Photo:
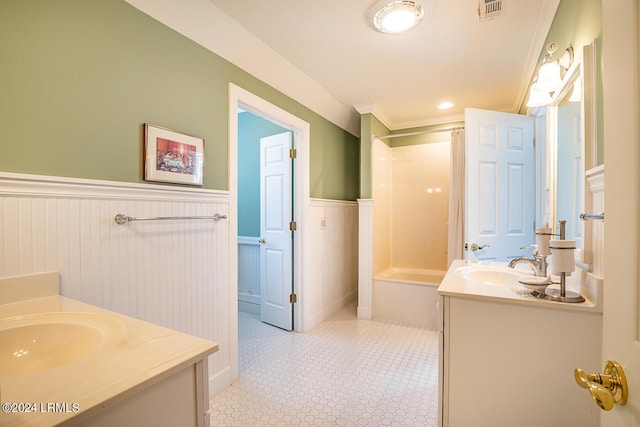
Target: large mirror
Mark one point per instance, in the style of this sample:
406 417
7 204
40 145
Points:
570 132
569 167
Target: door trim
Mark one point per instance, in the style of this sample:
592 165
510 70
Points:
241 98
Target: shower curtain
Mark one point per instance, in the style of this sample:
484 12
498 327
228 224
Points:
456 198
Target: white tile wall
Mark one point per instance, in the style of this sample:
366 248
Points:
420 202
411 199
382 162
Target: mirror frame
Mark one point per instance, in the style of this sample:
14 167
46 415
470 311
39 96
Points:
584 67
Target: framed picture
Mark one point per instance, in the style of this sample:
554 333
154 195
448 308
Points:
171 156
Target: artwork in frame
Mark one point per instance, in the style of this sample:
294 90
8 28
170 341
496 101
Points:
171 156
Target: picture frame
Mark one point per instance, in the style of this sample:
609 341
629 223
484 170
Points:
172 157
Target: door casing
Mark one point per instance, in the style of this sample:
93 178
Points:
241 98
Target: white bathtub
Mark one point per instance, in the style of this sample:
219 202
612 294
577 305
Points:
407 296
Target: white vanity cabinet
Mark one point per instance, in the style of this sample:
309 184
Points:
179 399
509 364
120 371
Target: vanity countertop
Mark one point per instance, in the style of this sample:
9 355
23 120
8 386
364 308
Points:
453 284
142 354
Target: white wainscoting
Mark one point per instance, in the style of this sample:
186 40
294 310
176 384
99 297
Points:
595 180
171 273
330 259
249 274
365 259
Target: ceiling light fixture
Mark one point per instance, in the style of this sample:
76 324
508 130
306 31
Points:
445 105
396 16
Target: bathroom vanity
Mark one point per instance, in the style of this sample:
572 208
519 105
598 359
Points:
508 358
64 362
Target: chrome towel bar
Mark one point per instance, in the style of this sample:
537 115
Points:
122 219
592 217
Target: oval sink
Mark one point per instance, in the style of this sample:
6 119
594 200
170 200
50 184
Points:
490 275
36 343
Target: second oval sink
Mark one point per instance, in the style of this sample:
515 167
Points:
36 343
490 275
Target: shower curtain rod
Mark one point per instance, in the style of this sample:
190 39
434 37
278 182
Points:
398 135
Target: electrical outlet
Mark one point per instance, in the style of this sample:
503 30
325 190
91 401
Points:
323 224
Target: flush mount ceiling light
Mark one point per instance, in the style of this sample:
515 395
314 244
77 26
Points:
445 105
396 16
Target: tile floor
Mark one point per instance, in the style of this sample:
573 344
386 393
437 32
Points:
344 372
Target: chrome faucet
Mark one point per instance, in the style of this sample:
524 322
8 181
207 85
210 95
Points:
538 263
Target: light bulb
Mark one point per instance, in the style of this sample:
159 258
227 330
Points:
548 77
538 98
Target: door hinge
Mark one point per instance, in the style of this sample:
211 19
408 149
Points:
292 153
293 298
292 226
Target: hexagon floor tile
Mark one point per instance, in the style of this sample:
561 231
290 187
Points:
344 372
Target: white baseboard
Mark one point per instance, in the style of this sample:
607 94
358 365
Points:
365 313
221 380
247 307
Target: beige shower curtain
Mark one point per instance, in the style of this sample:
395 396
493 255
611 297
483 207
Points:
456 198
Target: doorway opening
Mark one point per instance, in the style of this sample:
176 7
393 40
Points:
265 215
300 133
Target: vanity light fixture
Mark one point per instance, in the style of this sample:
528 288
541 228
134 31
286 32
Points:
549 77
396 16
538 98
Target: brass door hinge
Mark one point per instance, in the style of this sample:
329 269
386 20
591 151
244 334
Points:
293 298
292 226
292 153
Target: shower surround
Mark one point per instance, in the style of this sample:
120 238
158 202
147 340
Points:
407 231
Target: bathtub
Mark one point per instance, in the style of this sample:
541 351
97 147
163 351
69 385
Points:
407 296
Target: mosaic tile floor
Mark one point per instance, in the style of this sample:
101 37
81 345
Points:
343 372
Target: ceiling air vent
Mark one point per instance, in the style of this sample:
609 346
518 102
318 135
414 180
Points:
489 9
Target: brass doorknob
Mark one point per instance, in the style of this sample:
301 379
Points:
606 389
262 241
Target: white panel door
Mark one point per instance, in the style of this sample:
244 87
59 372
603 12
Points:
621 310
499 177
276 239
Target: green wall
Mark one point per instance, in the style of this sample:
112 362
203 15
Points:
80 78
369 126
250 129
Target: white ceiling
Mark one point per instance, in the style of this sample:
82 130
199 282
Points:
324 54
402 78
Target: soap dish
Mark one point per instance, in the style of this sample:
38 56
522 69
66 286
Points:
535 282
